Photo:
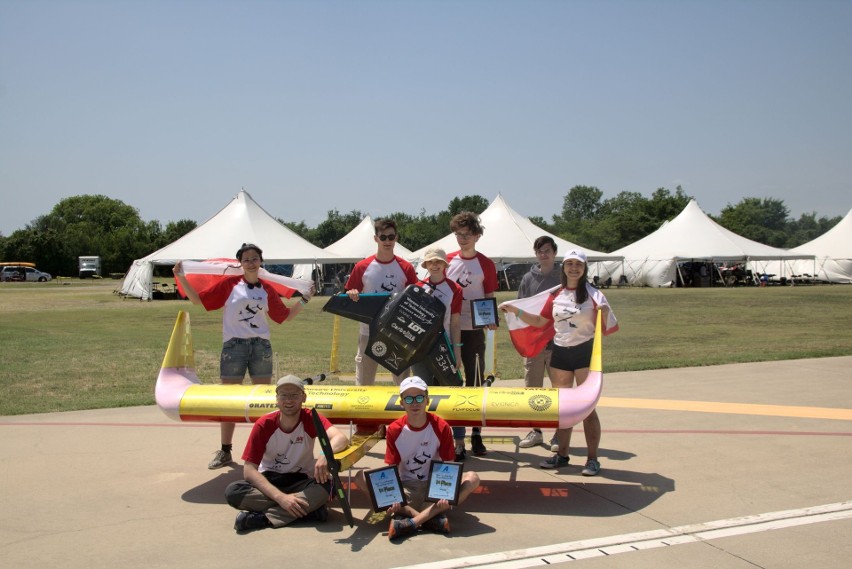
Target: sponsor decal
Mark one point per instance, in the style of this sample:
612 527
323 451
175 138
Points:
380 349
540 402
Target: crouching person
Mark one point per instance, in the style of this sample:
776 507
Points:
283 481
413 441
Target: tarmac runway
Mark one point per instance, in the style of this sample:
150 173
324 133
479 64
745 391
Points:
734 466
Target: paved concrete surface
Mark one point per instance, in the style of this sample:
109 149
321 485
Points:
686 454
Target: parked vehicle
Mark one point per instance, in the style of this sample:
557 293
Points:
90 266
10 273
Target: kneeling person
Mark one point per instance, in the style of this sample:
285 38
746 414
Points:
413 441
283 481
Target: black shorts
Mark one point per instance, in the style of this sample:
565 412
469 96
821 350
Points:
572 358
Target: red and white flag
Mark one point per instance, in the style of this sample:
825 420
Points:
529 340
202 274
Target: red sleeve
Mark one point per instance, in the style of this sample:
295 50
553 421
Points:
408 269
259 436
547 309
278 311
489 270
445 435
355 279
215 296
391 453
308 423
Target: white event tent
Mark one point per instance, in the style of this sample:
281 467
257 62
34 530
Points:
691 236
241 221
508 237
832 253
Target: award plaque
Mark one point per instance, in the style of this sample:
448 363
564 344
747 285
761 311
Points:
385 487
444 481
483 312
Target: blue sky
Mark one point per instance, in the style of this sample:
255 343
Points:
382 106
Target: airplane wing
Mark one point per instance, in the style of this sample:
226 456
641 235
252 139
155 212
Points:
405 328
365 310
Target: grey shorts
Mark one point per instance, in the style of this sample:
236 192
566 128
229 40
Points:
245 354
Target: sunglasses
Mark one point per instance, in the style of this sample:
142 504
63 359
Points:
390 237
409 399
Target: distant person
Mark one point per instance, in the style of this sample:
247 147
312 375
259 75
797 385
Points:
383 272
541 277
449 293
572 312
476 274
413 442
283 481
245 330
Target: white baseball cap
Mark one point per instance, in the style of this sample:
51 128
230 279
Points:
575 254
412 382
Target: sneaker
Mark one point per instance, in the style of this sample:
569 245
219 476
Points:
222 458
461 454
248 521
554 444
555 461
592 468
532 439
476 445
401 528
319 515
439 524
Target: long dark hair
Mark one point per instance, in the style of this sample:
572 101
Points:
581 295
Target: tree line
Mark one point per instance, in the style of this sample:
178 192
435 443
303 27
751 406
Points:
113 230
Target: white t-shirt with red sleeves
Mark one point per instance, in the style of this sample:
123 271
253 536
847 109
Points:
476 276
272 448
450 294
574 323
371 275
413 450
245 307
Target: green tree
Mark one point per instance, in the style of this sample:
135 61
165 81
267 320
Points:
760 219
476 204
335 226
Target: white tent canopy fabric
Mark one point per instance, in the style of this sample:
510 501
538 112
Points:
832 253
241 221
690 236
508 237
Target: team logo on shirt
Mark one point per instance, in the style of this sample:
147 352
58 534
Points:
390 284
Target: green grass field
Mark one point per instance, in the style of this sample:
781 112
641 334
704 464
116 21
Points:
76 345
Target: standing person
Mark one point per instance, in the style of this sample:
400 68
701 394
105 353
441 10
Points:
572 312
383 272
283 481
245 331
476 274
413 442
448 292
541 277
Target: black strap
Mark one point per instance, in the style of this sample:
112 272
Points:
333 466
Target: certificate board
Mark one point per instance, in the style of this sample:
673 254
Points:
483 312
444 481
385 487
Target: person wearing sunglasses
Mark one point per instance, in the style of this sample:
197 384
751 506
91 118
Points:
476 274
246 302
383 272
413 442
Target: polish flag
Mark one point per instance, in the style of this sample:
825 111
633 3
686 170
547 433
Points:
202 274
529 340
